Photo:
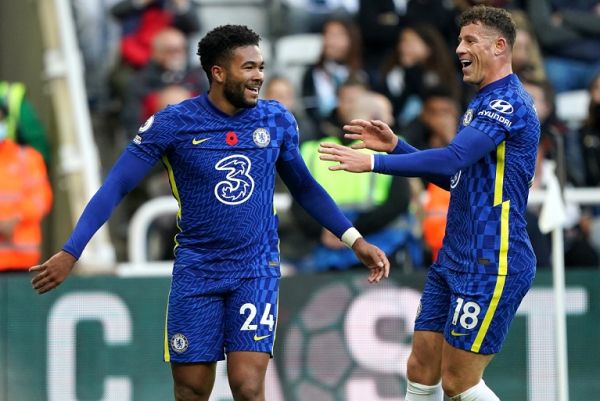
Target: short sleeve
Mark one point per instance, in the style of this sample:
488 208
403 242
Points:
153 137
289 147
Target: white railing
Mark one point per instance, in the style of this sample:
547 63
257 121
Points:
139 265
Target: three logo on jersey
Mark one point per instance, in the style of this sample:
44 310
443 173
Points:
238 184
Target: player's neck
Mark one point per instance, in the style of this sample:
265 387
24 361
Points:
496 75
218 100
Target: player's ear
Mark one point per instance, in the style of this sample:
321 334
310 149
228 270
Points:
500 46
218 73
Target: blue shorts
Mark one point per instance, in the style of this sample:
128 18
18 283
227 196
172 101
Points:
473 310
208 317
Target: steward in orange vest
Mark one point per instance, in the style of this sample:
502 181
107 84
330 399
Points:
435 208
25 198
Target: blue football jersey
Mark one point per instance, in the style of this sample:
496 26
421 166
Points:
222 173
486 227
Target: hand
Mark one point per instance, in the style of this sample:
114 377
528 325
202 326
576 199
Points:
329 240
373 258
53 272
375 135
350 160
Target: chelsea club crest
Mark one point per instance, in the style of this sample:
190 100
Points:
261 137
468 117
179 343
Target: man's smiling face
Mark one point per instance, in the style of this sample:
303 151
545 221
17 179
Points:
476 45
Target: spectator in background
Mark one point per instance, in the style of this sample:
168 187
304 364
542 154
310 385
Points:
421 60
569 33
555 134
436 124
590 142
340 58
373 202
555 139
141 21
379 22
434 128
347 95
302 16
282 89
527 60
590 136
167 66
22 122
25 198
441 14
578 248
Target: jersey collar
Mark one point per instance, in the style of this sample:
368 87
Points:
205 101
496 84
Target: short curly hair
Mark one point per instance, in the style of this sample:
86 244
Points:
217 46
492 17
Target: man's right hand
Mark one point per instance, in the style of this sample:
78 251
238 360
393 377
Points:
373 258
375 135
52 272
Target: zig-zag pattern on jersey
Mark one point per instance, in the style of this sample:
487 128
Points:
219 239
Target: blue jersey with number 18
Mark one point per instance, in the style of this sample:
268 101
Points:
486 228
222 173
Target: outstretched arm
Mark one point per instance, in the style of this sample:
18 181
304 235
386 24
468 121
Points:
317 202
468 146
127 172
378 136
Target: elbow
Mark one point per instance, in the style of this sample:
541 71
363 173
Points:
452 168
454 163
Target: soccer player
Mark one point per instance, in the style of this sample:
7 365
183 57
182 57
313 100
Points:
221 151
486 264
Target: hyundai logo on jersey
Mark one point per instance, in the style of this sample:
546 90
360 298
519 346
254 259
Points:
501 106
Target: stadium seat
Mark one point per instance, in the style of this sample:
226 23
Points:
572 107
293 53
251 13
213 13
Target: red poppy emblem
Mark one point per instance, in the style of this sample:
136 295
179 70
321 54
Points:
231 138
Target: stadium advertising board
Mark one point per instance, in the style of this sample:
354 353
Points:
338 338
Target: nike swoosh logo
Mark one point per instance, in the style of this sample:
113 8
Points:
199 141
455 334
258 338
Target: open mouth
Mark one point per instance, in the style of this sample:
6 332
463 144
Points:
253 90
465 63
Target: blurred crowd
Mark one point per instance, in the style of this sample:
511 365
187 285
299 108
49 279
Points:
391 60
